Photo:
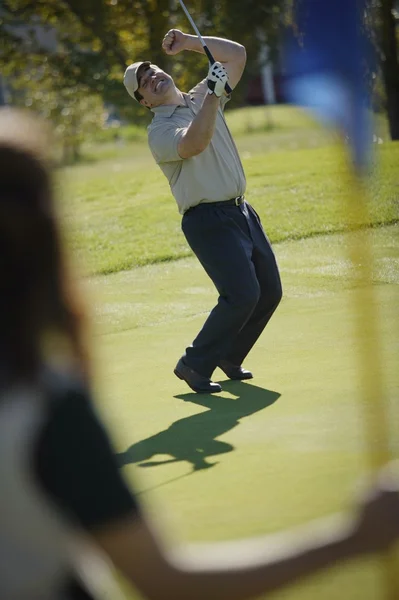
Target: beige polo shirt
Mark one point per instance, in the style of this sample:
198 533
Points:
214 175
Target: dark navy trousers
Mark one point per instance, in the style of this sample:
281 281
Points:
230 243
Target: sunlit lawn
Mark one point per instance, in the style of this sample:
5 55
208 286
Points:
121 213
289 445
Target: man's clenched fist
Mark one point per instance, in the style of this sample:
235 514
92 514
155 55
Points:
173 42
217 79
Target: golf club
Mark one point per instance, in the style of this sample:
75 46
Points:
201 39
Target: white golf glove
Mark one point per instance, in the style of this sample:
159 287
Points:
217 79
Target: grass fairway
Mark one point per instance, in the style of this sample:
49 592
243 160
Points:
266 454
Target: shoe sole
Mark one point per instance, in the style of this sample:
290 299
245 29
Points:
238 378
197 391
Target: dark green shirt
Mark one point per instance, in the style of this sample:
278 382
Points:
76 465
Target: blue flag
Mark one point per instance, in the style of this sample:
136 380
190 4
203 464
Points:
328 59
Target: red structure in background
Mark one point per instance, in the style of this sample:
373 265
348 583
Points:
255 95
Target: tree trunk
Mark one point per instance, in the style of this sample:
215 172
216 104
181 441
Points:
157 16
390 65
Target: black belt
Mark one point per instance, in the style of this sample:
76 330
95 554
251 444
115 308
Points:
232 202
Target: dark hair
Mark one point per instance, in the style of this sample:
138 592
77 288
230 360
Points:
39 317
138 96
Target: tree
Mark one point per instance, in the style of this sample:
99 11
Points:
41 62
96 39
390 64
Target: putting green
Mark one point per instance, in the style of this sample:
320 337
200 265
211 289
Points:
264 455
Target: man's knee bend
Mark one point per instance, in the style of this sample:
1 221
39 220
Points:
271 299
246 300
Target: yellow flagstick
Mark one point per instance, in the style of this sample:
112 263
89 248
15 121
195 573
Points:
367 335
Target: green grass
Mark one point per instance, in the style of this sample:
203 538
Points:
120 213
288 446
267 454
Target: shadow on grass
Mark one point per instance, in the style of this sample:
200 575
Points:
193 439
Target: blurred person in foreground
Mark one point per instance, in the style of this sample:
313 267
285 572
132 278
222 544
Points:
63 500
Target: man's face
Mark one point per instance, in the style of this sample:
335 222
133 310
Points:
154 85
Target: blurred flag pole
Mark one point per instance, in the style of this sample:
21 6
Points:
327 55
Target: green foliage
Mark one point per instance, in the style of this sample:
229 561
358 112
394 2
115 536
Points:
74 111
94 41
251 23
118 133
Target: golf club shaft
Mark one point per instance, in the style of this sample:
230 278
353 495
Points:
201 39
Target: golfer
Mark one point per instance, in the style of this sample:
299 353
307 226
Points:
193 146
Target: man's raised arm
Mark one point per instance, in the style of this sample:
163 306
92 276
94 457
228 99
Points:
231 54
200 131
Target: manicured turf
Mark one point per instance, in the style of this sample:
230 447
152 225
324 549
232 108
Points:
289 445
264 455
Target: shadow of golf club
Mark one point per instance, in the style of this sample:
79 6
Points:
194 438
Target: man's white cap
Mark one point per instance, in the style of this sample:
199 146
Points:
130 77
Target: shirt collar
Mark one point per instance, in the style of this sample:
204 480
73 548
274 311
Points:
167 110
